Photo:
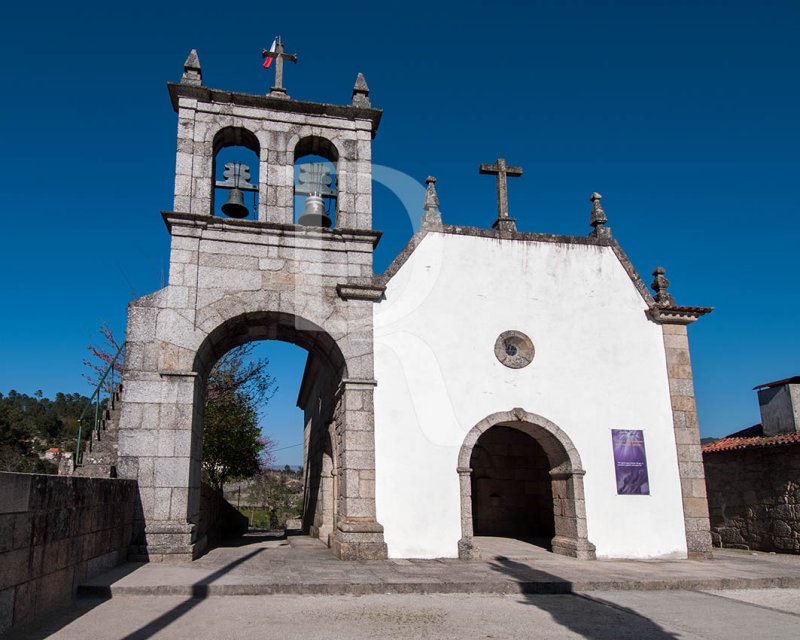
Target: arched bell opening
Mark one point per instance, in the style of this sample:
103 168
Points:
317 398
513 447
235 174
316 186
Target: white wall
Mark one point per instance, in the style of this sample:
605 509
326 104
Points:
599 365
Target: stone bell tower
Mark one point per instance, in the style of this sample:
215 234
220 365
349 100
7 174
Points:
232 281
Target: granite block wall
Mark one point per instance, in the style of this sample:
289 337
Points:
55 531
754 498
219 518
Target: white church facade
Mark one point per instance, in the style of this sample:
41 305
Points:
598 363
489 383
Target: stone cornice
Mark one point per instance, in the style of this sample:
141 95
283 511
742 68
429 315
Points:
178 374
369 292
359 383
205 94
178 219
677 315
354 384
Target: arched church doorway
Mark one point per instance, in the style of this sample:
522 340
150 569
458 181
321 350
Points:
521 476
315 394
511 487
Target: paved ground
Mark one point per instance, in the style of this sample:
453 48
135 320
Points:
601 615
261 565
264 586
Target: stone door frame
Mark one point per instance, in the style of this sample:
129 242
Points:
566 473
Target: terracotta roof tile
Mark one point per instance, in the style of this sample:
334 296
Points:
732 442
755 430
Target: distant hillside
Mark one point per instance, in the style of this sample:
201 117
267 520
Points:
30 425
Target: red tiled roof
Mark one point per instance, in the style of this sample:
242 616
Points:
732 442
755 430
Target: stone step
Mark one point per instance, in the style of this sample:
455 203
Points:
104 445
96 471
108 433
314 570
101 450
100 461
100 457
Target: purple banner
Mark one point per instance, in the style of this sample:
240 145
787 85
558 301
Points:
630 462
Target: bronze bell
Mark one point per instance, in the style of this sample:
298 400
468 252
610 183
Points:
234 207
314 213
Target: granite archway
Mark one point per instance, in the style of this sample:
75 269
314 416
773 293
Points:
318 460
566 474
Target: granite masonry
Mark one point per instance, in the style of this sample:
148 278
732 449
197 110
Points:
753 476
234 281
674 320
754 496
54 533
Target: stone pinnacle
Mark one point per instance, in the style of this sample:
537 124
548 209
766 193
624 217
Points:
360 92
192 74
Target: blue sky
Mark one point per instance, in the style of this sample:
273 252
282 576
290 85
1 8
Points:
684 115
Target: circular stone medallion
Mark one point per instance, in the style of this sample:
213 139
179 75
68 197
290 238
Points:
514 349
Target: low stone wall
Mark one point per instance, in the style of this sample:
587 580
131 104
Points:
218 517
754 498
55 531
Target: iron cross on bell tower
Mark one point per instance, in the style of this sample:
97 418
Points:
278 91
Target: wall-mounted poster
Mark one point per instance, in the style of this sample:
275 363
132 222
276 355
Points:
630 462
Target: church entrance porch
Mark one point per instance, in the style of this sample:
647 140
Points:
511 492
521 476
490 547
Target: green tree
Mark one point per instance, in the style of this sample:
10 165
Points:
233 447
31 424
280 493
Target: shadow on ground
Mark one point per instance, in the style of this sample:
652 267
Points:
68 613
43 626
254 536
199 593
596 620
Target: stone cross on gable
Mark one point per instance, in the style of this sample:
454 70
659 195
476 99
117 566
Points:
278 90
502 171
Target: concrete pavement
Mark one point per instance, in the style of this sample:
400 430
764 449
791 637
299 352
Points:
600 615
